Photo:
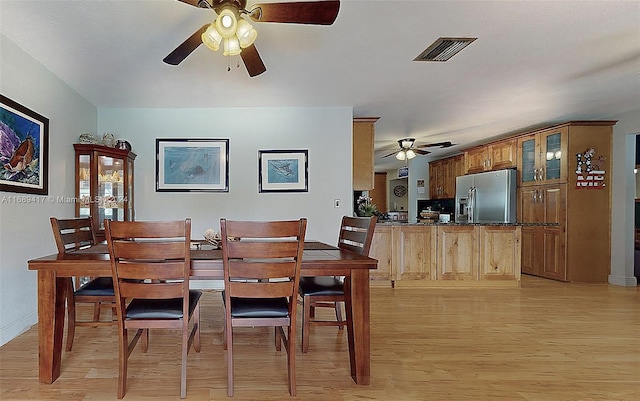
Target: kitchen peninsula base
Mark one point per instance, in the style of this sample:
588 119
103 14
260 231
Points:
447 255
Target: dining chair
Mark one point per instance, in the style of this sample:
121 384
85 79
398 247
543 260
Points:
150 265
71 235
261 263
355 235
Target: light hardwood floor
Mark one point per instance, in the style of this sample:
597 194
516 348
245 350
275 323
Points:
545 341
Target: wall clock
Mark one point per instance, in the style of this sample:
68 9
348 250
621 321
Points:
399 191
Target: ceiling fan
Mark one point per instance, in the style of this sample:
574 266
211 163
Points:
237 36
408 150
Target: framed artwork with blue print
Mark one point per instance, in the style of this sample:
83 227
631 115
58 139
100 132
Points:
283 170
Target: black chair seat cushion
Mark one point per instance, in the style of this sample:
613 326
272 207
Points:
321 285
100 286
161 308
258 307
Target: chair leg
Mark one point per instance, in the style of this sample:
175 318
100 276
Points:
306 323
71 315
291 357
338 308
229 339
183 366
145 340
96 311
123 355
196 320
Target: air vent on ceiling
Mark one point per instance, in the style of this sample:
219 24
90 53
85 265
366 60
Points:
443 49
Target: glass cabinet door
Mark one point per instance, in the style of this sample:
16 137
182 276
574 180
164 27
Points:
553 156
528 149
111 196
84 185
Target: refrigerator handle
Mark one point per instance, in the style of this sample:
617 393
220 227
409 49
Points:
472 204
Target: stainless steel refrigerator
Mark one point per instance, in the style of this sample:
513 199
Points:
488 197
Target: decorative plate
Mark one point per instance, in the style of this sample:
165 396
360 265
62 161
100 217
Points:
400 191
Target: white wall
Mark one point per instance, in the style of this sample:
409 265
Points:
25 231
325 132
622 200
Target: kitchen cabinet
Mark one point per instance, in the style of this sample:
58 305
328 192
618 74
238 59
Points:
494 156
362 154
457 253
378 194
564 177
500 253
104 184
416 257
381 249
441 255
442 177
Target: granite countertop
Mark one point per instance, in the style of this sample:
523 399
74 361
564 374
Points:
415 223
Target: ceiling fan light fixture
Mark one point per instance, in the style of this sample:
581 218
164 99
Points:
232 46
211 38
406 143
227 22
402 155
246 33
410 154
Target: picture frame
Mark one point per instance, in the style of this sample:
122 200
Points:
192 164
24 154
283 170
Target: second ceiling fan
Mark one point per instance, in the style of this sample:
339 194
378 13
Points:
231 30
408 150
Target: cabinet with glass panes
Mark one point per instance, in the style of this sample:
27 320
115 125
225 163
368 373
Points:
104 184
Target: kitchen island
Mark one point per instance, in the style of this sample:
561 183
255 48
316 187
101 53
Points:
446 255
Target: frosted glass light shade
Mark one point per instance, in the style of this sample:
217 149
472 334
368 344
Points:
246 33
227 23
211 38
401 155
411 154
231 46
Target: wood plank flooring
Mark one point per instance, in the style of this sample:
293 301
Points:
545 341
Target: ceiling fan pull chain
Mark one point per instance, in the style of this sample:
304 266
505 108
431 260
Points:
228 64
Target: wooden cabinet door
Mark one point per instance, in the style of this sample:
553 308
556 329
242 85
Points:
414 247
553 161
554 265
381 249
502 155
528 207
362 155
527 159
378 194
476 160
553 199
435 172
457 253
500 257
532 249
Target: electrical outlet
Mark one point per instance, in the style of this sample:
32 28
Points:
336 203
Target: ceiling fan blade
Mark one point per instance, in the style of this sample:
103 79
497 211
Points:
252 61
303 12
181 52
421 152
391 154
441 144
196 3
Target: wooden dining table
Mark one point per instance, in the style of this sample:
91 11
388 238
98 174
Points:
318 259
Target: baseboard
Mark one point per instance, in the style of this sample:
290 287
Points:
17 327
623 281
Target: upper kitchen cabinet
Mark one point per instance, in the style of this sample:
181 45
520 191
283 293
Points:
442 176
363 137
104 184
494 156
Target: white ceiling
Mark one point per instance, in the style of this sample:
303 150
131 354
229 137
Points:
535 63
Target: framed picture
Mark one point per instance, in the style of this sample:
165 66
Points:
283 170
24 149
403 172
184 165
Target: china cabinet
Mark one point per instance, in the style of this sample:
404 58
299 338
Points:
104 184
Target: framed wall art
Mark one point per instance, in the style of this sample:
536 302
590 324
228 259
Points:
184 165
283 170
24 149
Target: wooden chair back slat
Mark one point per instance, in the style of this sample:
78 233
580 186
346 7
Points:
72 234
151 290
256 270
155 250
355 234
278 289
261 229
262 249
166 270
